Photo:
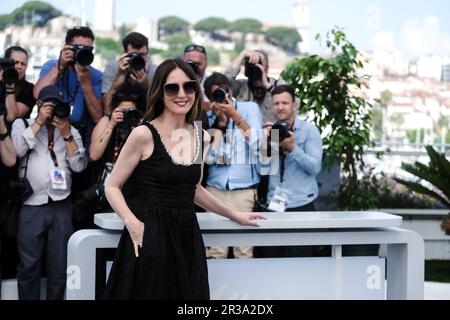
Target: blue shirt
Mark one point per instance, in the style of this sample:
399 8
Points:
73 93
302 165
242 172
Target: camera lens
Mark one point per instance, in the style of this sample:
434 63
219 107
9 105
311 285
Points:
83 55
136 61
61 110
219 95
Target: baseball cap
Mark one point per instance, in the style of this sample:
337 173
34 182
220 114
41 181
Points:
51 93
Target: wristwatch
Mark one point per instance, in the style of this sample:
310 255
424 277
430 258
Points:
68 138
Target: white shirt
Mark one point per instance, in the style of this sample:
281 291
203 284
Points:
40 162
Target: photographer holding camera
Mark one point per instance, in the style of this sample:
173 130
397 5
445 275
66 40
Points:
54 150
258 85
133 65
79 82
19 99
232 176
293 187
108 138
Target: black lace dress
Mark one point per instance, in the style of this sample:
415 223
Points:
172 261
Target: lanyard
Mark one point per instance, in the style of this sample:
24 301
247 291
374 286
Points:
117 146
70 98
51 144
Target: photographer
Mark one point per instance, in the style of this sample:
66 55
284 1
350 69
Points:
232 176
54 149
258 85
19 92
79 82
293 187
197 57
132 66
108 138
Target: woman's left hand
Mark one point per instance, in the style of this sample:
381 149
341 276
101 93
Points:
248 218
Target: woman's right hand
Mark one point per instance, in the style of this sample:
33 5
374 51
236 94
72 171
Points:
136 229
116 117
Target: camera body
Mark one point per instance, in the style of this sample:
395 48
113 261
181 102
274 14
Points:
93 198
61 110
131 118
20 189
195 66
10 74
220 95
83 55
137 63
252 72
283 130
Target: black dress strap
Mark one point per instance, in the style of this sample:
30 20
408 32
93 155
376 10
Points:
155 134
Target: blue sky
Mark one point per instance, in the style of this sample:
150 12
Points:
413 26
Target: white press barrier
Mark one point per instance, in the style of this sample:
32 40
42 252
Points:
90 253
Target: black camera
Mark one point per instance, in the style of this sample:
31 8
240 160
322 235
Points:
252 71
283 130
20 189
10 75
195 66
131 118
83 54
61 110
137 62
92 199
220 95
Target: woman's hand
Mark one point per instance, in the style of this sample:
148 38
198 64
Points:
116 117
248 218
136 230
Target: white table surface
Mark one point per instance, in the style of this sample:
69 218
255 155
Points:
283 220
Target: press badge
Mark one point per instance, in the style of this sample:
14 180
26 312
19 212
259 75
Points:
58 178
279 201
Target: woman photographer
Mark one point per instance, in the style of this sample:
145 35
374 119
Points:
108 137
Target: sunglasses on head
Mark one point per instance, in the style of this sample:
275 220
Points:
195 47
172 89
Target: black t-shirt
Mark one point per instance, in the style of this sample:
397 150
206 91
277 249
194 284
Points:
25 95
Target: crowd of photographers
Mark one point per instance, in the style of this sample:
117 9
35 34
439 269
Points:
53 167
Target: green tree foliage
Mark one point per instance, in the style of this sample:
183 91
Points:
284 37
176 43
436 174
211 24
331 90
171 24
124 30
245 26
34 12
108 48
213 57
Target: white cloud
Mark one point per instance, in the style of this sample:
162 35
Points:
423 36
384 40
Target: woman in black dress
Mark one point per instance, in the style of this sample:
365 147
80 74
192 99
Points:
161 253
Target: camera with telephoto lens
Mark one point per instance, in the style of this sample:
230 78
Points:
195 66
61 110
252 71
83 54
283 130
137 62
131 118
283 133
220 95
10 75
